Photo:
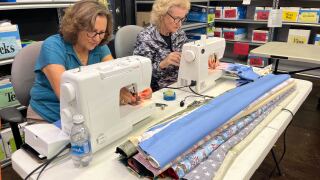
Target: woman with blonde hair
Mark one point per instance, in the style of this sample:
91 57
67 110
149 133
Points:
162 41
84 31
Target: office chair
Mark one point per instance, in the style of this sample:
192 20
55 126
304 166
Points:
125 40
22 78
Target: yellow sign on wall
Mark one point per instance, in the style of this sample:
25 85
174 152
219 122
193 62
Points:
291 16
309 17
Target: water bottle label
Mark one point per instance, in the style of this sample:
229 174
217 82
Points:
80 149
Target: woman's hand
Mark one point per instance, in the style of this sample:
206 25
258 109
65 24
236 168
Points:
213 61
172 59
126 97
145 94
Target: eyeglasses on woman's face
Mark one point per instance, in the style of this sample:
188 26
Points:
177 19
93 34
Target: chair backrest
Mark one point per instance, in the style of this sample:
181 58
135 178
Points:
22 71
125 40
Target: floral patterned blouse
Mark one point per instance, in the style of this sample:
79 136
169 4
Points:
152 45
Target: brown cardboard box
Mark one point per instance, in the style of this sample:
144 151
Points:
143 19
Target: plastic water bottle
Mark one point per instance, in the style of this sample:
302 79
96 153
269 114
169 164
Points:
81 151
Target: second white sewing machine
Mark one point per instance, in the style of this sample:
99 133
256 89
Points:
194 62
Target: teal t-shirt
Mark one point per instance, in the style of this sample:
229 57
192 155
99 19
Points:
55 50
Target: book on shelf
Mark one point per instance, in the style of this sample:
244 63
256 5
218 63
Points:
10 42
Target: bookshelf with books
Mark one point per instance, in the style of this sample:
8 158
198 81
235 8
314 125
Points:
300 15
300 25
250 19
143 8
22 22
35 20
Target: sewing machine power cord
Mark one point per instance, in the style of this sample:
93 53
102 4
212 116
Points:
193 83
284 144
200 94
45 164
185 98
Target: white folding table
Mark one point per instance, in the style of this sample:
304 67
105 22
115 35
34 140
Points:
106 165
288 51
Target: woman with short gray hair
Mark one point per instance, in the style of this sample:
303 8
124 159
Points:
162 41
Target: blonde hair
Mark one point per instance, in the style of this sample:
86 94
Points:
82 16
161 7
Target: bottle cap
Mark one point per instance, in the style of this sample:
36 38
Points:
77 119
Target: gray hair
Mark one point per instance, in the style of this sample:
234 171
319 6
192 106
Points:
161 7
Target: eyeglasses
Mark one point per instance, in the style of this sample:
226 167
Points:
176 19
93 34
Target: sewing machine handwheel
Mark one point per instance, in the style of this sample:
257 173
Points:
189 56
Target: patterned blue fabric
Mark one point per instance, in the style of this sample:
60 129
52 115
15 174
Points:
201 154
206 169
245 73
179 136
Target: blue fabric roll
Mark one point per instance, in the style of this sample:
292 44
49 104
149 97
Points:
179 136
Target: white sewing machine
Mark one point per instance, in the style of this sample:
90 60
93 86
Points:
94 91
194 63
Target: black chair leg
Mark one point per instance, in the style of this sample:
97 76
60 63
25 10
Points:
16 134
275 160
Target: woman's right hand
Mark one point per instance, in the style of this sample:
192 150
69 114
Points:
172 59
126 97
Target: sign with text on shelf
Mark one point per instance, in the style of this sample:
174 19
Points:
298 36
10 42
240 48
263 15
309 16
257 61
275 18
230 13
7 95
290 14
8 47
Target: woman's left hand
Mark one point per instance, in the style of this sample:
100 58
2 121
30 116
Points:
146 93
213 61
